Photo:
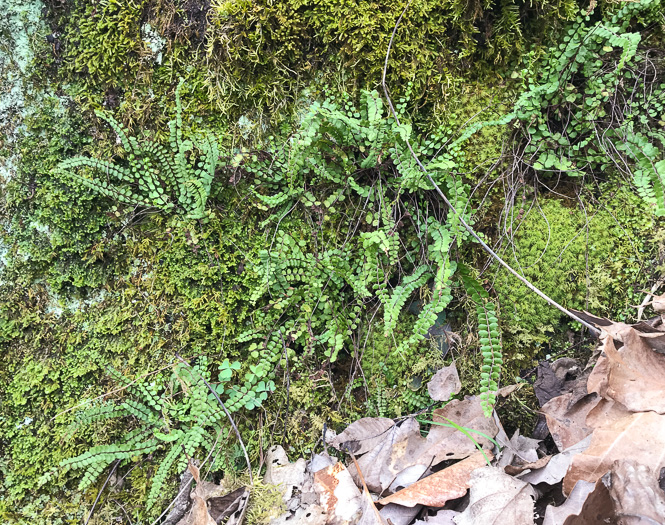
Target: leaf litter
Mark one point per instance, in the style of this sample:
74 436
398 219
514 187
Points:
607 420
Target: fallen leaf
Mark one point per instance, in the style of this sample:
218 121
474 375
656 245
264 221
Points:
363 435
557 466
279 471
370 515
230 507
199 513
445 443
444 384
658 304
339 496
513 470
633 375
495 498
555 379
443 517
572 507
407 477
566 418
653 336
638 436
636 494
519 450
310 515
404 447
398 514
382 464
435 490
505 391
320 461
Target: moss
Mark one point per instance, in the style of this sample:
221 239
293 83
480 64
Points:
104 44
586 257
90 285
263 59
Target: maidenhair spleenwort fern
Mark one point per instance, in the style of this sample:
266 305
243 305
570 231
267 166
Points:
175 413
490 339
154 176
594 104
316 285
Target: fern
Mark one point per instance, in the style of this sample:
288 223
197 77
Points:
153 177
562 112
169 413
489 336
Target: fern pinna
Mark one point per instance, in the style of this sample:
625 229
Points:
154 176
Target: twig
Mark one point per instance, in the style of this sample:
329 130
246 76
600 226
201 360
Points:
468 228
123 511
99 494
647 296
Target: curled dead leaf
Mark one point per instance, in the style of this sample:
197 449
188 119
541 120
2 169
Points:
635 436
634 375
435 490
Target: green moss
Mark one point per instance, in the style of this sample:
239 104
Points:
104 44
263 59
89 285
591 258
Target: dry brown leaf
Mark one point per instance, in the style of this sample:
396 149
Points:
568 511
443 517
634 375
637 436
205 492
444 443
435 490
556 467
557 378
408 477
404 447
495 498
513 470
399 515
505 391
339 495
382 464
279 471
606 410
370 515
636 494
230 508
519 450
566 418
444 384
658 304
363 435
627 495
199 514
309 515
